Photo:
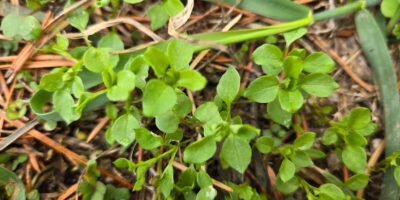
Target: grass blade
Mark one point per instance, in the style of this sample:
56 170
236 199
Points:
376 51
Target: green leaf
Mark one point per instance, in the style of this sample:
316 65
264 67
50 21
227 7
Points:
173 7
167 122
123 129
156 58
113 193
147 139
330 136
51 81
158 98
331 191
305 140
263 89
140 177
191 79
183 105
133 1
359 118
167 181
140 68
203 179
355 158
278 115
207 193
13 187
397 175
77 87
200 151
97 59
187 180
357 182
293 35
292 67
289 186
158 16
26 27
111 41
79 19
317 84
291 101
236 152
16 109
265 144
125 84
389 7
301 159
208 112
228 86
63 103
124 163
356 139
286 170
180 54
319 62
269 57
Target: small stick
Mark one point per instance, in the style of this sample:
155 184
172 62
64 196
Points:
18 133
103 121
71 190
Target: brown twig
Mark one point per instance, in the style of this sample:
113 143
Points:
71 190
100 125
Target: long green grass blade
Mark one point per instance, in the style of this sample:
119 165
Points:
283 10
376 51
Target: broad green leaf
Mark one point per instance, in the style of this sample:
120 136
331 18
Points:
113 193
158 16
305 140
208 112
63 103
133 1
187 180
97 59
368 130
301 159
289 186
123 163
77 87
359 118
123 129
167 181
291 101
389 7
397 175
357 182
229 85
355 158
156 58
330 136
61 43
191 79
125 84
173 7
317 84
167 122
111 41
236 152
52 81
245 131
269 57
140 68
147 139
200 151
158 98
286 170
301 53
207 193
332 191
79 19
278 115
265 144
319 62
263 89
180 54
203 179
26 27
356 139
183 105
293 35
292 67
13 187
315 154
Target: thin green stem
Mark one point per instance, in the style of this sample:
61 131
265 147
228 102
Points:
343 10
392 22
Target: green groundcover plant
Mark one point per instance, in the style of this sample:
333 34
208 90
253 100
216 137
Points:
145 97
